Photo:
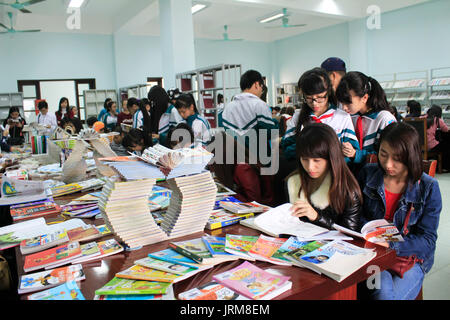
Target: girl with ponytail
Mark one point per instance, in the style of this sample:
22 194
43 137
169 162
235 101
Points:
364 99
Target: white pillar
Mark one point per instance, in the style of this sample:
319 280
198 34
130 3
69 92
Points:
177 39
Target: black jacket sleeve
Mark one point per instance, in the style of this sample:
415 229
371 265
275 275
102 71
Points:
348 219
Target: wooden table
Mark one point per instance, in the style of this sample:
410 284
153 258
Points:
305 283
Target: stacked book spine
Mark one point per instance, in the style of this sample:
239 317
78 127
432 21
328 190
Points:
193 199
124 207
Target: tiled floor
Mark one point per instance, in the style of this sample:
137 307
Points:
436 285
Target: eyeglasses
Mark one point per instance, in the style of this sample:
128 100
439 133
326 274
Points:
318 99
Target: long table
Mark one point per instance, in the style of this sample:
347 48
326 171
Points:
306 284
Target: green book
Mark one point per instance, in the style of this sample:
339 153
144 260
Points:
119 286
194 249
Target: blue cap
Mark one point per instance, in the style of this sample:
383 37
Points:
334 64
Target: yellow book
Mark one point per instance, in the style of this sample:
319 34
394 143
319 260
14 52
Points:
137 272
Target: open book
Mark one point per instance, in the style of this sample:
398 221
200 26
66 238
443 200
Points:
375 231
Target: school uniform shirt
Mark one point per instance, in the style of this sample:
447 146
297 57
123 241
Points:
48 119
138 119
169 119
336 118
201 128
248 112
371 123
109 120
101 114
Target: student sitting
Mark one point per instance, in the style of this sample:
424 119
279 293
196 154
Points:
71 125
364 98
323 189
185 105
110 116
133 142
397 190
116 144
180 136
99 127
15 122
413 109
434 120
44 118
90 122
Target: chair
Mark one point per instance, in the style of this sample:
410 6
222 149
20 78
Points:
420 124
429 167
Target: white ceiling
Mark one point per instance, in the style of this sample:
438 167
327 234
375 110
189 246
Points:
140 17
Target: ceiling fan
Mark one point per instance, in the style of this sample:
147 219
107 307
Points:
12 30
21 5
285 21
226 37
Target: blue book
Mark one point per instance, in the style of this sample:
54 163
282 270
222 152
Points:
226 199
170 255
66 291
215 245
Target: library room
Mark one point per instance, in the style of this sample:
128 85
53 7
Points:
269 150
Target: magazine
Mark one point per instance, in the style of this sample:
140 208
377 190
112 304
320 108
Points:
375 231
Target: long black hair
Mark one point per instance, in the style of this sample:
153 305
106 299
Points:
159 102
60 103
361 84
185 100
313 82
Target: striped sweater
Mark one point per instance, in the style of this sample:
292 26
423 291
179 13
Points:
201 128
338 119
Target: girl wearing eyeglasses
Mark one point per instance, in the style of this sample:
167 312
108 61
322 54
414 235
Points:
364 98
320 106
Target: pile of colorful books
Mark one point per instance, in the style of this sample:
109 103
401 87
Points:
34 209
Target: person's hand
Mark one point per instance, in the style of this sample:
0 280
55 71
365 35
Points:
6 132
348 150
383 244
48 126
304 209
155 136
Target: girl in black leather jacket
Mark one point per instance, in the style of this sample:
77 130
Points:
323 190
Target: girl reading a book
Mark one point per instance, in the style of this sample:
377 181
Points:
398 191
323 190
185 105
364 98
14 123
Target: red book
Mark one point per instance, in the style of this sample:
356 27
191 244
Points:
34 211
46 259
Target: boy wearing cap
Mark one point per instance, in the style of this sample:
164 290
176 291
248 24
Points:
336 69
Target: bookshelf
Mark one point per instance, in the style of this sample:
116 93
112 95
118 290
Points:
95 99
138 91
440 90
288 95
205 84
403 86
8 100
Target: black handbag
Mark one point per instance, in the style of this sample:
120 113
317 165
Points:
438 134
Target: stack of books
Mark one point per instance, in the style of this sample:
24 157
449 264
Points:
124 207
191 204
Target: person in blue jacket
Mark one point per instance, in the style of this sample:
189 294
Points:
397 190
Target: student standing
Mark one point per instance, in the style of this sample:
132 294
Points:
125 116
397 190
135 111
434 121
185 105
323 189
336 70
44 118
110 117
103 111
15 123
363 98
63 111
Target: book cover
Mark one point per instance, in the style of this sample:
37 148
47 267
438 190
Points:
252 282
211 291
194 249
215 245
128 286
169 295
337 259
296 254
172 256
66 291
50 278
374 231
221 218
45 259
85 233
217 205
240 245
43 242
174 268
66 189
138 272
265 247
290 245
88 251
34 211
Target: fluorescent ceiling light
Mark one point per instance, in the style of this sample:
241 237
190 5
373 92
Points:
197 7
271 18
75 3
